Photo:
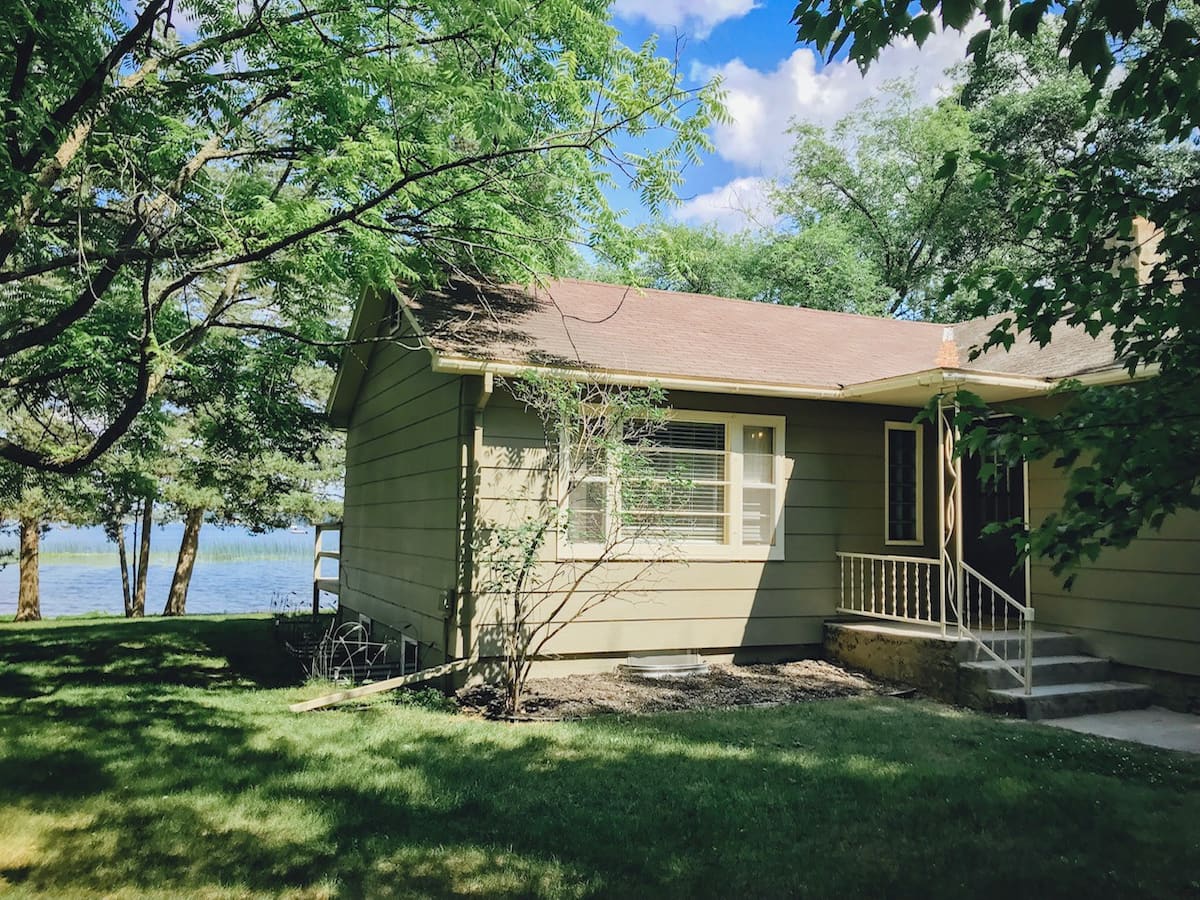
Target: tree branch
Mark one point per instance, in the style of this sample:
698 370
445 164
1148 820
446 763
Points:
89 91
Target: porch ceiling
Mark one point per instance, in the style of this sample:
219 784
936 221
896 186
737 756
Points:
918 388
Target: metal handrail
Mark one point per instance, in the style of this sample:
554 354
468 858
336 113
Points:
901 589
999 591
888 558
1025 615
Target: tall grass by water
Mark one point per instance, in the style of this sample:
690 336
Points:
88 546
230 551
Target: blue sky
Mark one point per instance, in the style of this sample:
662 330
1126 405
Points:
770 80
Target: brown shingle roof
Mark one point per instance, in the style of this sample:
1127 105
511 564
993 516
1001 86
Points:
1071 351
581 324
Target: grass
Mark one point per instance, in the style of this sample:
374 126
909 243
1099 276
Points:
84 552
157 758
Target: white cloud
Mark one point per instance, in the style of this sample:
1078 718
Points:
742 203
763 103
698 17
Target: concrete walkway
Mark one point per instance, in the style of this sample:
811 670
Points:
1155 726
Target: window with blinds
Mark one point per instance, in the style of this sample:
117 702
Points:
709 485
683 497
902 451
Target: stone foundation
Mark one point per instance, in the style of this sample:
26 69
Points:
917 656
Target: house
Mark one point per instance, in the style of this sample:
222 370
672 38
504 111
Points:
863 539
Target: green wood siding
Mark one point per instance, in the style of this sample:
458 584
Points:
400 539
1139 605
834 501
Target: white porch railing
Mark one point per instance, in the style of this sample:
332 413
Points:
908 589
998 624
900 588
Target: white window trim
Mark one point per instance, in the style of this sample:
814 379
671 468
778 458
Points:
888 428
684 551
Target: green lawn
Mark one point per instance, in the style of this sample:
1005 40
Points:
158 758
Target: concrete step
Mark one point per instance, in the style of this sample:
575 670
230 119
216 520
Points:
1047 670
1011 645
1057 701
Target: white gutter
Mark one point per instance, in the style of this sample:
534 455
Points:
1114 376
460 365
956 378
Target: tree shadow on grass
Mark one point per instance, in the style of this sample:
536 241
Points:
202 651
656 807
163 788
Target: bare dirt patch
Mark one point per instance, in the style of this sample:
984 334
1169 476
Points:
578 696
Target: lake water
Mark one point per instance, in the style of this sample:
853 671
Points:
236 571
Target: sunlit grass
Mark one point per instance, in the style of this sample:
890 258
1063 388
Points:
158 758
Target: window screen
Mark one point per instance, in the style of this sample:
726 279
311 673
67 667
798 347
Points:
758 485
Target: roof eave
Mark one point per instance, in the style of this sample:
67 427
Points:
364 327
1000 386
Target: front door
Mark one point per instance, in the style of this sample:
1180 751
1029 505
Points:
996 500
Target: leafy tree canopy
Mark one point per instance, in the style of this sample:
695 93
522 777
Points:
819 267
221 164
1125 151
873 179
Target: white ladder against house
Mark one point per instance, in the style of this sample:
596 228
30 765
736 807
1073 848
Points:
321 580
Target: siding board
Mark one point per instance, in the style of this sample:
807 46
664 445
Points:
1139 605
399 543
834 501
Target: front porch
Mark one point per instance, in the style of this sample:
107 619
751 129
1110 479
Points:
974 592
960 625
1069 681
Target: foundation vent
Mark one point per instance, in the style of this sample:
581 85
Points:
664 665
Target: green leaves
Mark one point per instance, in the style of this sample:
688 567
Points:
896 181
1026 17
1085 163
948 168
977 46
957 13
1089 50
296 151
921 28
1179 37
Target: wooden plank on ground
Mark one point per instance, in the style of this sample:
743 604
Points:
380 687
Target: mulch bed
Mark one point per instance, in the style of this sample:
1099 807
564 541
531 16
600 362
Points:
724 686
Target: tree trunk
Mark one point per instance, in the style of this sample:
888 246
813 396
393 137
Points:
124 558
29 601
143 558
177 599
